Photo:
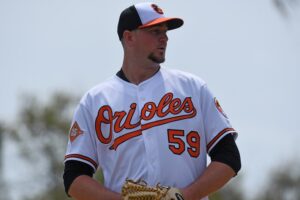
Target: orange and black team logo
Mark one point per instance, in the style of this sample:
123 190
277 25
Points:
157 9
220 108
75 131
169 109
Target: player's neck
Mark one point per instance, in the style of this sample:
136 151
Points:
139 72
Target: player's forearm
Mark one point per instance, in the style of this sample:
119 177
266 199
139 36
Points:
214 177
86 188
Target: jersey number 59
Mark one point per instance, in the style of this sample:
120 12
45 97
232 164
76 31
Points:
178 146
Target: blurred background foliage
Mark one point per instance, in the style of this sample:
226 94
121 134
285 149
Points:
42 133
286 7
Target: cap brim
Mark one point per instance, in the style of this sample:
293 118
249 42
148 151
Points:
172 23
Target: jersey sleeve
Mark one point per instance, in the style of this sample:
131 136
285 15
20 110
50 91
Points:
81 145
216 122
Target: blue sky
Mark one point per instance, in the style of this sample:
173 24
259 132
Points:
247 52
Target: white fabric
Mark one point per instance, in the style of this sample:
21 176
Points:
187 113
147 12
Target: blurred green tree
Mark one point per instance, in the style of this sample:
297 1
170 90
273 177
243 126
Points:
284 183
3 186
232 191
285 7
41 134
1 151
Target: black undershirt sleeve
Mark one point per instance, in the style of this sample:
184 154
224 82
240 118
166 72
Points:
73 169
226 151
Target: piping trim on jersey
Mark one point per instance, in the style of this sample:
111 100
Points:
82 158
217 137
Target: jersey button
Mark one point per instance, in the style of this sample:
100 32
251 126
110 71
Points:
141 88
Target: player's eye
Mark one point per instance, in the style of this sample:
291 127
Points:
157 32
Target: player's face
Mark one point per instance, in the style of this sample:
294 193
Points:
154 42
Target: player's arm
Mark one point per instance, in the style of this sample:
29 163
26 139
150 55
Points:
80 185
214 177
225 164
87 188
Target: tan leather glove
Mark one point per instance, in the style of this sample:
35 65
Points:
140 190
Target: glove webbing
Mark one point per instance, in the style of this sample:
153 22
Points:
140 191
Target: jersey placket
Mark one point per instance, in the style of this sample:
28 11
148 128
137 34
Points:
150 144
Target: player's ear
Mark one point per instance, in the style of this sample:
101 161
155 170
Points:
128 37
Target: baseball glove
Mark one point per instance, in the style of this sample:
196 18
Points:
139 190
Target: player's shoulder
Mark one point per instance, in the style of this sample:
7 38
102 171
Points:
103 86
100 89
182 76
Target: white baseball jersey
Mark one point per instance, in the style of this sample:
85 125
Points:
160 130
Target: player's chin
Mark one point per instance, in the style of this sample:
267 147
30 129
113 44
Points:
157 58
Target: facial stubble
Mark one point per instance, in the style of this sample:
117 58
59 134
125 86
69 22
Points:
156 59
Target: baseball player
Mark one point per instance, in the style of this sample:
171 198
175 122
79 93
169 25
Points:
149 122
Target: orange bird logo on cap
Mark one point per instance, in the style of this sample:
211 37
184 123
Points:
157 9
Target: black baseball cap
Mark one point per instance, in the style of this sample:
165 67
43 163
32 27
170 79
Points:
144 15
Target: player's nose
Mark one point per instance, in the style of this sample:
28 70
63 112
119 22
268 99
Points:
164 37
